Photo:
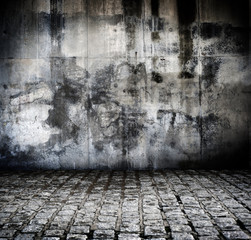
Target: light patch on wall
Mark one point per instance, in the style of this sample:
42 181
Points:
30 128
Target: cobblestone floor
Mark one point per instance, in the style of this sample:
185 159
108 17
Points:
125 205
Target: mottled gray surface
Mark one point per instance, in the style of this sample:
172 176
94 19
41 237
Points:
124 84
182 205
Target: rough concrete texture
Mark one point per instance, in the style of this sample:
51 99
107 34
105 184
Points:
124 84
175 205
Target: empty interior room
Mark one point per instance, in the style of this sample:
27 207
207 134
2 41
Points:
125 119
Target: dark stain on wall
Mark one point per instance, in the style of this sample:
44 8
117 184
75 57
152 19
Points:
210 30
155 24
68 93
130 28
210 68
125 122
235 40
156 77
226 10
12 5
155 8
132 128
13 157
186 15
103 79
137 74
102 84
173 119
17 25
189 119
155 36
186 12
57 24
69 82
189 68
111 20
132 12
210 125
217 151
229 39
132 8
186 74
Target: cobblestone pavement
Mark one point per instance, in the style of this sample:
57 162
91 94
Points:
53 205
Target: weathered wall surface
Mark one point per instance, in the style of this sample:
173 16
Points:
124 84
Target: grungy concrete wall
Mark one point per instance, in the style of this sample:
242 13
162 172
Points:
130 84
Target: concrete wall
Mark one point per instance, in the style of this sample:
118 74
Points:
124 84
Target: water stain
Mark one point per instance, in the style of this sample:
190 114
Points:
186 16
155 24
132 12
57 23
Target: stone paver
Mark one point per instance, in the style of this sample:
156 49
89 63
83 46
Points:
125 205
